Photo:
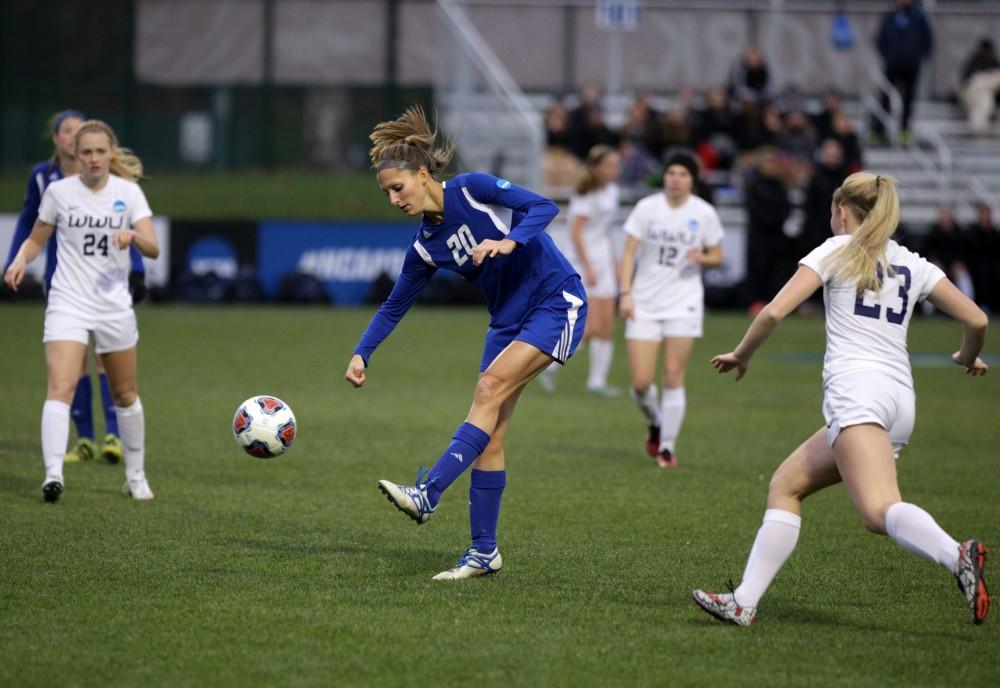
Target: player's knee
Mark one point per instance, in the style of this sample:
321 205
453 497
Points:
123 398
873 517
783 486
673 378
61 390
489 390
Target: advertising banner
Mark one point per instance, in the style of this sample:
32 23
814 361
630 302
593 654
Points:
347 257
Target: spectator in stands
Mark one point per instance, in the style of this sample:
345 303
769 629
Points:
980 86
823 120
641 126
557 125
749 79
945 246
587 127
639 141
560 168
904 41
984 258
749 127
829 175
768 207
847 137
675 132
797 142
713 131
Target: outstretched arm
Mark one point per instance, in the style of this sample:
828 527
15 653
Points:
947 297
29 250
410 283
796 290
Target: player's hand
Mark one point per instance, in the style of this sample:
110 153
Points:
626 306
355 371
976 367
591 278
14 274
695 255
491 248
726 362
123 237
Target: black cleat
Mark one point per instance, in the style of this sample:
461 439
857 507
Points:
653 440
51 491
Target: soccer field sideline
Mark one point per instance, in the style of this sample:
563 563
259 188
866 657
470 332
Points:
297 572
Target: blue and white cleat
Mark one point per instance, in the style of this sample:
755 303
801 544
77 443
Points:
412 500
472 564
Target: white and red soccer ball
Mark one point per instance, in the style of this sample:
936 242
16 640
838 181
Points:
264 426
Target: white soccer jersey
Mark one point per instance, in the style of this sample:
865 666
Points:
600 209
869 332
91 276
666 284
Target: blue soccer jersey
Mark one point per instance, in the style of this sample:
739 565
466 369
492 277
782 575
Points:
43 174
477 207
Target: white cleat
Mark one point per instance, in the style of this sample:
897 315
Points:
412 500
472 564
724 608
137 488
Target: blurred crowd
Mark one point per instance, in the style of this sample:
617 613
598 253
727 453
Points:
969 255
728 127
780 154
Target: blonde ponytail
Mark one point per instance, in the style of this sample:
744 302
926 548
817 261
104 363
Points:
588 181
874 202
124 163
407 142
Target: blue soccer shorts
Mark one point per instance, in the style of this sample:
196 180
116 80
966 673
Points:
555 326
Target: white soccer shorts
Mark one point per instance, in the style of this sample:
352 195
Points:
870 397
117 333
657 330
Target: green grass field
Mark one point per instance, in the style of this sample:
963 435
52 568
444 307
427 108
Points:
288 194
297 571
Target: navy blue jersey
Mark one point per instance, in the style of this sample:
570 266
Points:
479 206
43 174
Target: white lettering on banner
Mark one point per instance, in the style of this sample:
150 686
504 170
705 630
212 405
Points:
352 264
223 267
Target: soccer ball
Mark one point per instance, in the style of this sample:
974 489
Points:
264 426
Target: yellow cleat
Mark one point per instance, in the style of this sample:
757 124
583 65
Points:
112 449
85 450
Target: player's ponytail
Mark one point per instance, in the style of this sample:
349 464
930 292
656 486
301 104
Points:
407 142
874 201
124 163
588 181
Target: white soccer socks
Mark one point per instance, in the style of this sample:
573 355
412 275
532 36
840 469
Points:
132 429
673 403
775 542
55 437
648 402
916 530
601 352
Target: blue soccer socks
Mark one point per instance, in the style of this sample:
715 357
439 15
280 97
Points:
110 415
485 493
467 444
80 409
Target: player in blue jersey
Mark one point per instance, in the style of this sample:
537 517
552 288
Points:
491 233
63 163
